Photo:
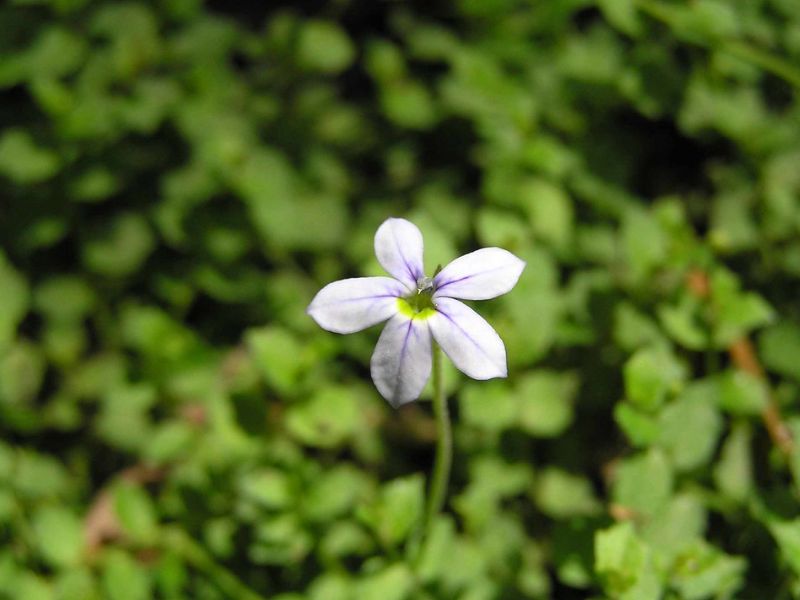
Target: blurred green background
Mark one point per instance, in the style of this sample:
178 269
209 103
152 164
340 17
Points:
177 180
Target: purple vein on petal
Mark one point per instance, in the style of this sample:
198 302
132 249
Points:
470 276
403 354
374 298
410 270
464 332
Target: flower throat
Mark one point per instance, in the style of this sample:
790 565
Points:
420 303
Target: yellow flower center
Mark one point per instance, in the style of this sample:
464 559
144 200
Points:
418 305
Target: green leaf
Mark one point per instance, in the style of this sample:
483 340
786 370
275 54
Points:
121 248
134 29
64 342
278 354
499 477
545 401
151 102
634 329
645 243
279 204
690 427
529 339
572 551
6 462
97 375
560 494
328 419
787 536
681 523
156 335
779 346
408 104
64 298
136 513
169 442
793 426
733 227
396 511
491 480
95 185
500 540
331 585
625 564
22 161
32 587
682 323
22 369
436 550
550 212
703 571
123 421
393 583
736 312
488 405
56 52
707 20
499 227
643 483
267 487
76 584
623 15
733 473
345 538
171 575
124 578
39 476
596 244
14 300
279 540
641 428
324 46
651 374
384 61
742 394
59 536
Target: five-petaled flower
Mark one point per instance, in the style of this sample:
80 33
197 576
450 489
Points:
418 308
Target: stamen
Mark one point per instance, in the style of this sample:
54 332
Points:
424 284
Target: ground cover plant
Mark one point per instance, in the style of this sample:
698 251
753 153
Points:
178 179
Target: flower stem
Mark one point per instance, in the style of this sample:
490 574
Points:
444 443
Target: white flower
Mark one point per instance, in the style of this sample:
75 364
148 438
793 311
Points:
418 307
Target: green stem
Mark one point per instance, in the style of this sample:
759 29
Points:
197 556
767 61
444 442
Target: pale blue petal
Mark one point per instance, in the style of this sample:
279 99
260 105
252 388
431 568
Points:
398 246
468 340
351 305
479 275
401 363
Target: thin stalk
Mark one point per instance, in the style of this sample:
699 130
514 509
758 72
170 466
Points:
197 556
764 59
444 442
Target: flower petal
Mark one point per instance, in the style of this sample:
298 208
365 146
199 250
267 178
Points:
398 246
353 304
479 275
401 363
468 340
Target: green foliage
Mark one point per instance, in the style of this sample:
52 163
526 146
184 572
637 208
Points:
178 179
